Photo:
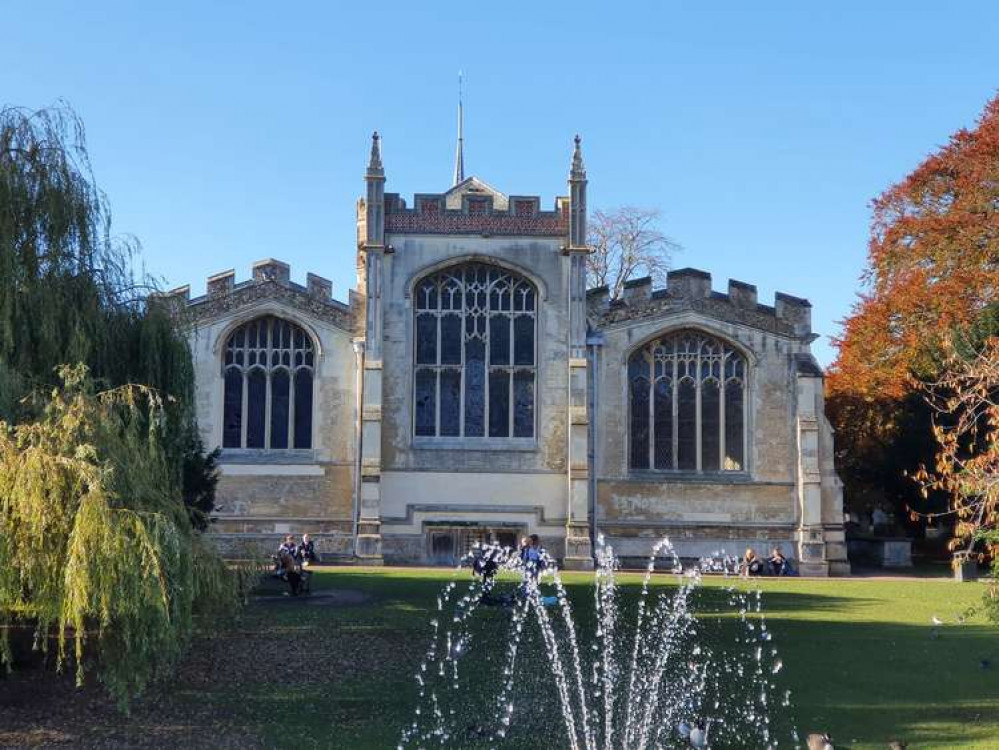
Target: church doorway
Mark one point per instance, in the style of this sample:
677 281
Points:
447 544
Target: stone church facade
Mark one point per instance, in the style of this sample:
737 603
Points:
472 387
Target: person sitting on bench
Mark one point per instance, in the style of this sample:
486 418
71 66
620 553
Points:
307 550
287 548
307 556
291 571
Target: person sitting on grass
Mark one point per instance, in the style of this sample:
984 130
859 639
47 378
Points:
751 564
485 563
777 562
779 566
533 557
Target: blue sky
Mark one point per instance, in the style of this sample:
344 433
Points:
227 132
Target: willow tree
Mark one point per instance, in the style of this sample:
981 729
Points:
96 461
95 543
69 294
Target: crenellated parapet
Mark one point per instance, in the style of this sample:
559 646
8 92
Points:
473 207
690 289
270 279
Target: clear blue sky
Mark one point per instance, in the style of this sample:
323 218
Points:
225 132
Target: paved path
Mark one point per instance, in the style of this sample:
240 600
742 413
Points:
325 597
859 574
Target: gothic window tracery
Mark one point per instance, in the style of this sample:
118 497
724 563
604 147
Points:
268 367
687 405
475 369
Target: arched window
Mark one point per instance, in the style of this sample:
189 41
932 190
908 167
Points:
474 373
688 405
268 368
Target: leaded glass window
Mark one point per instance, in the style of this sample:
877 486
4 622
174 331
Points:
267 369
475 362
687 405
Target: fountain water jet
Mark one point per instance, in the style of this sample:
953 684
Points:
662 680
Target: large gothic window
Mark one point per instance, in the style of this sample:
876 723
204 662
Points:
475 372
268 368
688 405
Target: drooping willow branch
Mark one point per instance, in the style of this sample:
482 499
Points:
95 544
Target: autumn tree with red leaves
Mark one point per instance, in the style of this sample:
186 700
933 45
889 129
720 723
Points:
933 269
933 265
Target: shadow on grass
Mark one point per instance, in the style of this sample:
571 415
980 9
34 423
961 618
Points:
861 663
863 680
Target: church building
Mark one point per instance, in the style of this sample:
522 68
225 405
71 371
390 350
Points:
471 387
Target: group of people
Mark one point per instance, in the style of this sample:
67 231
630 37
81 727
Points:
292 561
486 562
776 565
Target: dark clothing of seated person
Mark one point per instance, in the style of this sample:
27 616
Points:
306 552
751 565
291 570
779 566
533 557
287 548
486 562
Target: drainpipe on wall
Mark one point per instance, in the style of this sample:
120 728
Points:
594 341
358 433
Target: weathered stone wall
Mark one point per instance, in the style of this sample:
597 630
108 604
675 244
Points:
413 489
770 416
263 494
484 480
319 497
707 513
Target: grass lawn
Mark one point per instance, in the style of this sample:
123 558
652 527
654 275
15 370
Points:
860 658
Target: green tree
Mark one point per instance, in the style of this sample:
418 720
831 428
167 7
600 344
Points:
99 450
68 292
95 541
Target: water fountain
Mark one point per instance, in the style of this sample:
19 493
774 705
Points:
673 667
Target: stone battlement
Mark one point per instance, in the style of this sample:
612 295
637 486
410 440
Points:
269 269
516 215
269 278
691 288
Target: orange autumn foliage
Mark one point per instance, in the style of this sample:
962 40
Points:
933 265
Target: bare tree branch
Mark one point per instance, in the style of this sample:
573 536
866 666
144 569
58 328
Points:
627 242
966 427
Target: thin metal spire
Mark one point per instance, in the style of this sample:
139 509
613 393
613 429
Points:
459 156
